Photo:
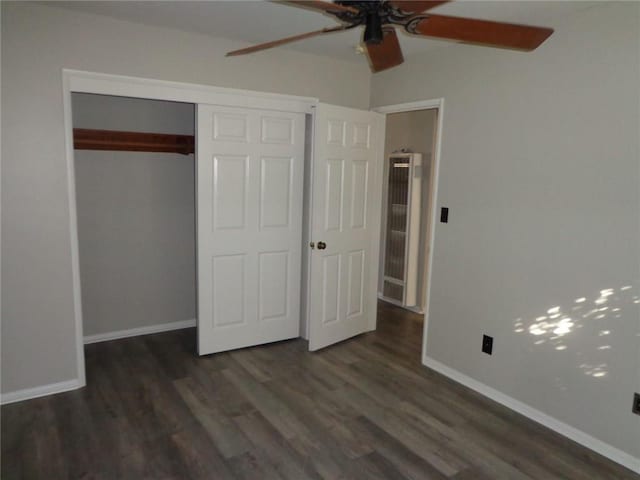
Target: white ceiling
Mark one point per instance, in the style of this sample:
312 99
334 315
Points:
260 21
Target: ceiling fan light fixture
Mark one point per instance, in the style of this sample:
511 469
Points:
373 30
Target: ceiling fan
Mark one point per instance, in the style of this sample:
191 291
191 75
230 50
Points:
379 17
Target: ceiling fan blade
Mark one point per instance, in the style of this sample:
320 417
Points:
282 41
417 6
385 54
320 5
480 32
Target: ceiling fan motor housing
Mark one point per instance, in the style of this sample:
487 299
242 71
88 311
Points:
373 15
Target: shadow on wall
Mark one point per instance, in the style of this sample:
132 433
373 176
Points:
559 325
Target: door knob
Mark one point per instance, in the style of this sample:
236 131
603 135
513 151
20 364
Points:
322 245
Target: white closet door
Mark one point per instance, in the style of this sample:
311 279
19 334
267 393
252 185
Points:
249 174
346 218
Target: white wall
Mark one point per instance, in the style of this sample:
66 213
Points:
136 218
37 42
415 131
540 170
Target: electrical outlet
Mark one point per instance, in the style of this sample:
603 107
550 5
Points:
636 404
487 344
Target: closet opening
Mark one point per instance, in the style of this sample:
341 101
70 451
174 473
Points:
134 168
245 180
406 226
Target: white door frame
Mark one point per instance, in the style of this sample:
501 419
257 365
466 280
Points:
437 104
77 81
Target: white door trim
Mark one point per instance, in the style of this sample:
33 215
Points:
77 81
411 106
73 230
124 86
438 104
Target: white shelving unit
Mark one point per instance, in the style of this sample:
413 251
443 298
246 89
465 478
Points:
402 229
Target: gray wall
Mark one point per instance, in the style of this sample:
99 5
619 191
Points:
38 346
415 131
136 218
540 170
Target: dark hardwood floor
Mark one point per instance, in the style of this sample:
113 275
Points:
363 409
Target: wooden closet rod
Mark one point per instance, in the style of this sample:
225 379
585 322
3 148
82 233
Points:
87 139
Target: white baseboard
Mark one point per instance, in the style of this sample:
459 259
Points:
41 391
578 436
134 332
29 393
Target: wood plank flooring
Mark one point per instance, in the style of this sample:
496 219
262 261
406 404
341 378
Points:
363 409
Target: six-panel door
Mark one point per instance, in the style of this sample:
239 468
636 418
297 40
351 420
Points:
346 217
249 219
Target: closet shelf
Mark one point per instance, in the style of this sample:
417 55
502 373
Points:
87 139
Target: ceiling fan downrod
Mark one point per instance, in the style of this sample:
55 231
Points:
373 29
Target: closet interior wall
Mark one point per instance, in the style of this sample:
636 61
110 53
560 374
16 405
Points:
136 219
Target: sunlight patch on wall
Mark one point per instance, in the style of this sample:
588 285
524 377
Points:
557 327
